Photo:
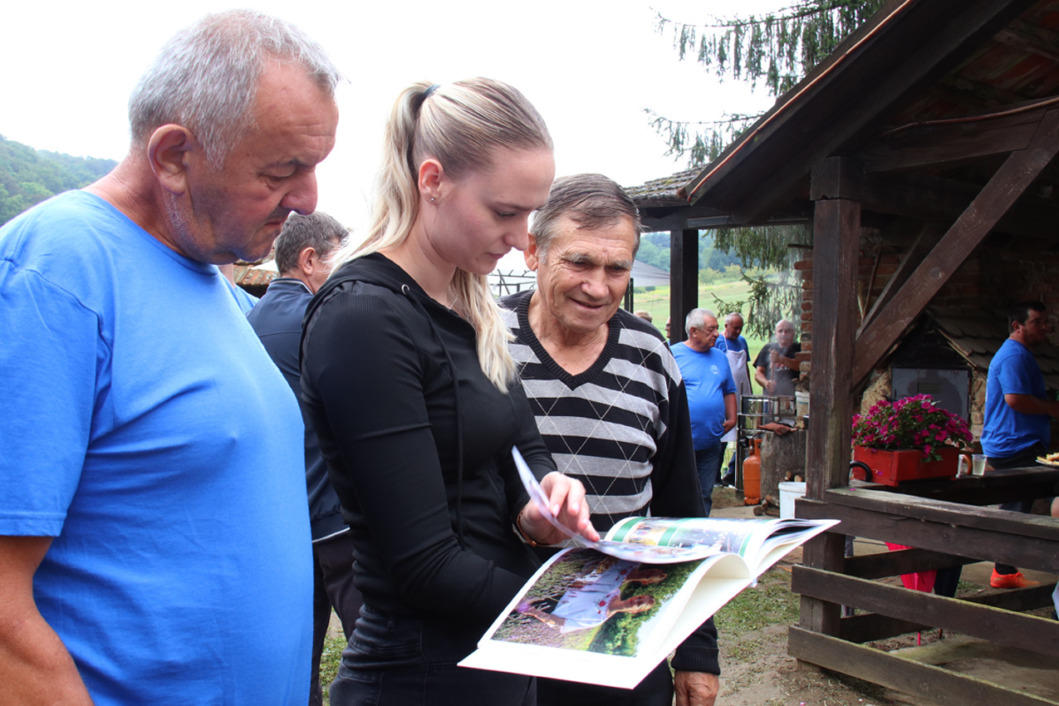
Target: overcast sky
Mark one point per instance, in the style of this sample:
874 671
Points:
590 67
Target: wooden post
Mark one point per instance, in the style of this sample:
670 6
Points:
836 247
684 278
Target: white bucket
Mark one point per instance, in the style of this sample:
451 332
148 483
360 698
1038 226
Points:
789 490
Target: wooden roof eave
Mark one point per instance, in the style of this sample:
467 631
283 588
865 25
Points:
759 171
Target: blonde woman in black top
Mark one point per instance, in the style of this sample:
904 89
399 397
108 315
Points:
412 391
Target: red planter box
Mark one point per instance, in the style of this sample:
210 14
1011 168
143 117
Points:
893 467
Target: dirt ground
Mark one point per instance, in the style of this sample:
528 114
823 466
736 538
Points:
757 671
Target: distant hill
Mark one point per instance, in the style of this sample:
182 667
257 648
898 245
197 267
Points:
29 176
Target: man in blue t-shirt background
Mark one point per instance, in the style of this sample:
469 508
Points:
711 395
1017 412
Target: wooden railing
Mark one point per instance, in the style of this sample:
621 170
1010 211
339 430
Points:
945 523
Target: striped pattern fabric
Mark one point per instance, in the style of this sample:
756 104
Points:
605 426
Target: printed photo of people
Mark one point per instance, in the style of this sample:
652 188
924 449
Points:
593 602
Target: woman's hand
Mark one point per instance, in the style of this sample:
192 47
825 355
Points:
566 500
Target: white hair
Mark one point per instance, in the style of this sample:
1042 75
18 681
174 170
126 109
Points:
206 77
696 318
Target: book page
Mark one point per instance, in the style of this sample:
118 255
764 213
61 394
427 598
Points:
630 552
761 542
594 618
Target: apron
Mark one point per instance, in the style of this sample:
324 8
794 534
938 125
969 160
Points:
737 360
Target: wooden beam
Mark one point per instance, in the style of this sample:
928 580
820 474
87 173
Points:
928 145
910 258
921 197
836 252
917 45
684 273
984 622
1006 185
1026 37
906 561
1029 543
923 682
671 217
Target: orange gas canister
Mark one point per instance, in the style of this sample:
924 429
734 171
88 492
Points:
752 475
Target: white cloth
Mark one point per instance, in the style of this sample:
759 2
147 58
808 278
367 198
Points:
737 360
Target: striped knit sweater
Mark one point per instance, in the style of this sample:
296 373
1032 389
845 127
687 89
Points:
621 427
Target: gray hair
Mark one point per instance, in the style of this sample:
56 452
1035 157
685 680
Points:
696 318
206 77
591 201
728 317
319 231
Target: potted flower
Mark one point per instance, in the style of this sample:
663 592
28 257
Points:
907 439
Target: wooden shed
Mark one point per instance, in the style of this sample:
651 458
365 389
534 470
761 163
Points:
922 153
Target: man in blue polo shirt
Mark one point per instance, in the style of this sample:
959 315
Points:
711 395
1017 412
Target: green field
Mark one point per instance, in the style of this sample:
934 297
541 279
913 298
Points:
656 301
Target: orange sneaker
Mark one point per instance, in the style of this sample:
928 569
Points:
1015 580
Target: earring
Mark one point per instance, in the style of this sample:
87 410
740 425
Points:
432 199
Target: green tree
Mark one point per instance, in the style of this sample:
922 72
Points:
772 51
29 176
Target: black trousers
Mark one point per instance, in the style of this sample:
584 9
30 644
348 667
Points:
332 586
1023 458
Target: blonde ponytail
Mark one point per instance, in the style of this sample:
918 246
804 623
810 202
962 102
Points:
460 124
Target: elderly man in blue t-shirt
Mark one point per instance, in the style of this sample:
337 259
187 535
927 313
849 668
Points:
711 395
154 531
1017 414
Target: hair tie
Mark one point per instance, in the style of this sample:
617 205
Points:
430 91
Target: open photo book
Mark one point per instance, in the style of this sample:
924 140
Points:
608 612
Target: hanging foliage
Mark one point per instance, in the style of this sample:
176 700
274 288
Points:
765 253
774 51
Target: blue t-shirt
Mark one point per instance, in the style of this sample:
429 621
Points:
148 432
1006 432
723 343
708 378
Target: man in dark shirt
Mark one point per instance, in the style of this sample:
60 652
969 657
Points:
303 256
776 367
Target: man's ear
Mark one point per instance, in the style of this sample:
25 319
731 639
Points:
167 150
531 254
306 263
431 177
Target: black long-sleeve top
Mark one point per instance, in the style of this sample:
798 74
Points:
417 442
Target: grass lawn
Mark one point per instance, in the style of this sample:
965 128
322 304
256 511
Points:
656 301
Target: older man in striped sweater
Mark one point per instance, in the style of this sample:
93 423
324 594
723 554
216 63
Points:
609 400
